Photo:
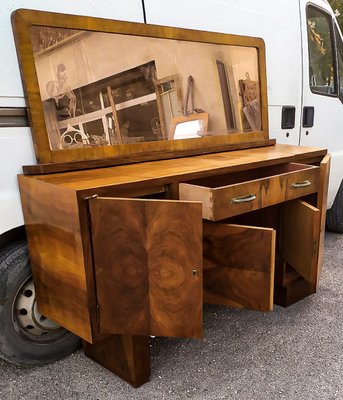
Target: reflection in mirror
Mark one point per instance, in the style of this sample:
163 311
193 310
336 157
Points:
189 126
187 130
102 89
190 129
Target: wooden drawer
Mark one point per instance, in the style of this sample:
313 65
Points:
237 193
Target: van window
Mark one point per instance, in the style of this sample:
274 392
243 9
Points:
321 54
339 44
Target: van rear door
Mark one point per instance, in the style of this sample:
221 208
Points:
322 112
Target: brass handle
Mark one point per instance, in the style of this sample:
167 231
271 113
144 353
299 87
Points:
297 185
244 199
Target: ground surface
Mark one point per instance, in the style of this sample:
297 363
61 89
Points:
293 353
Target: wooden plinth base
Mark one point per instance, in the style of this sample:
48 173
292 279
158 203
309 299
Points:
297 290
126 356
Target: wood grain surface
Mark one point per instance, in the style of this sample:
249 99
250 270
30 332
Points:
322 205
148 266
266 186
183 169
300 238
239 266
49 168
22 20
289 294
51 205
126 356
56 252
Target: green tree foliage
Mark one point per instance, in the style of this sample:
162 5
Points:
337 6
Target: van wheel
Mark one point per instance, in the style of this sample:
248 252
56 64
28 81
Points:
26 336
334 216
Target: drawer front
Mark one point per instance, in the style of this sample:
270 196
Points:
235 199
302 183
239 198
281 188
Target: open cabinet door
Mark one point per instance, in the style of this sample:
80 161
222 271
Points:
148 266
322 204
300 238
239 266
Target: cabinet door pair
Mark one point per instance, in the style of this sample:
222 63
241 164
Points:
148 261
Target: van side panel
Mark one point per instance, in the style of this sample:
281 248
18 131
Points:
16 150
10 82
16 147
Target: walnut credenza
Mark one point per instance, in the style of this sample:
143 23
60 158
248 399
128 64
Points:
125 252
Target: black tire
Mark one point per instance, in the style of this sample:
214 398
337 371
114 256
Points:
334 216
18 345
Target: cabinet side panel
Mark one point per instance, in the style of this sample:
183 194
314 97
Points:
55 246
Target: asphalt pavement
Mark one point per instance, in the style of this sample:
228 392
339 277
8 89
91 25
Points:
292 353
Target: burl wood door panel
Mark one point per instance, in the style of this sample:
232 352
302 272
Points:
300 238
148 266
239 266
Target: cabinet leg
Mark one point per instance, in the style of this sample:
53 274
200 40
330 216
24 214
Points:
290 287
126 356
289 294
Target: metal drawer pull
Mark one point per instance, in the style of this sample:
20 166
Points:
244 199
297 185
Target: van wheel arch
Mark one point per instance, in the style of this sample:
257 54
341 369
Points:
13 235
26 337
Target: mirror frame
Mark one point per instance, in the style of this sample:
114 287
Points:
23 19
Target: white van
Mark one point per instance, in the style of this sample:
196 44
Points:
305 94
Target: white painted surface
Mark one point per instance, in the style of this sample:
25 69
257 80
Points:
16 150
10 82
282 26
16 147
276 22
328 117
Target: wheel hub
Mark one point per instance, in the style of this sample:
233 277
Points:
32 324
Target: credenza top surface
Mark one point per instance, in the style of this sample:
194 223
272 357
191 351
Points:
185 168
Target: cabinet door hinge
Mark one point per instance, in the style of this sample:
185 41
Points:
89 220
93 196
314 249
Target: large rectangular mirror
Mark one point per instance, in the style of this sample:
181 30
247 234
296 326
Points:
99 88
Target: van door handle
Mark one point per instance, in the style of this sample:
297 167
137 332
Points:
308 117
288 117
